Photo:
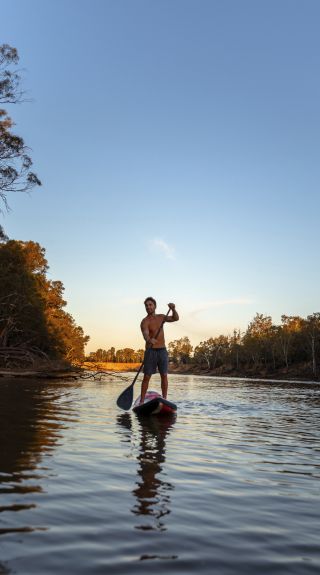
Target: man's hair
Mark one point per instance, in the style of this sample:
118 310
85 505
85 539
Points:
150 299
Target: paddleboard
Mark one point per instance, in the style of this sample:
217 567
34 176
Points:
154 404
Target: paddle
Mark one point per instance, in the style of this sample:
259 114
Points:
125 399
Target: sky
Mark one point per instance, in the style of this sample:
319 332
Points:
178 144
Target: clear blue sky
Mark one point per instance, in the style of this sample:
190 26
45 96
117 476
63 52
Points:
178 144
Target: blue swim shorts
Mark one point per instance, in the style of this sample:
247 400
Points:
155 358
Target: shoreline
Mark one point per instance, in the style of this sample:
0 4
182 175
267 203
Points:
294 374
59 370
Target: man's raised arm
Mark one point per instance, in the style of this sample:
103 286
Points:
175 315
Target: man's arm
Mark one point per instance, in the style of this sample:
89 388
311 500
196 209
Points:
145 330
174 316
146 334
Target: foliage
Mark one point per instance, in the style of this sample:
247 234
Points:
31 306
180 350
126 355
311 331
264 346
16 173
212 352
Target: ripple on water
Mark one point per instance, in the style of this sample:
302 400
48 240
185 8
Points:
230 485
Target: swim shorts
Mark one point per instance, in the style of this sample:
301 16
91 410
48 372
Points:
155 358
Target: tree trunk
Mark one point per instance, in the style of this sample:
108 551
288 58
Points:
313 350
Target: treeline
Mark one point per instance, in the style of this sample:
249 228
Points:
33 322
126 355
262 348
16 173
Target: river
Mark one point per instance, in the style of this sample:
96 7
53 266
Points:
228 486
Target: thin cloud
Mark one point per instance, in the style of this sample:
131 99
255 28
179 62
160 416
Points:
131 300
163 247
204 306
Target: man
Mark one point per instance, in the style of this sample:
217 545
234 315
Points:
156 355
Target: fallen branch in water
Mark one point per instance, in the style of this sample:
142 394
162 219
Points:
97 371
16 363
60 374
98 375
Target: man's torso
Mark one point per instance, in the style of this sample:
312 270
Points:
153 323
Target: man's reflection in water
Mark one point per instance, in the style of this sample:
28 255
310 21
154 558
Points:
152 492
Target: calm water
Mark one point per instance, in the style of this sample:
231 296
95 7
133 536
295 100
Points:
231 485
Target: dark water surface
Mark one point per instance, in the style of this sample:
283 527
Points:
231 485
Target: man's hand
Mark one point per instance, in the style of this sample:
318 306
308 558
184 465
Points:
174 316
151 342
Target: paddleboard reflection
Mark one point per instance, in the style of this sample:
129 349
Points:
152 489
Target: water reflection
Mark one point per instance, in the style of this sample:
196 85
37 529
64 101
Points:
152 489
31 420
4 570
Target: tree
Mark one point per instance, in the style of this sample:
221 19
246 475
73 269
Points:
16 173
126 355
22 309
202 353
101 355
139 355
119 356
257 339
287 333
311 329
111 354
214 351
32 317
235 346
180 350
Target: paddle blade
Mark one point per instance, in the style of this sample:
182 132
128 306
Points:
125 399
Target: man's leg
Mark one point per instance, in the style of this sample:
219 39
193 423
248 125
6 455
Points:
144 387
164 385
163 369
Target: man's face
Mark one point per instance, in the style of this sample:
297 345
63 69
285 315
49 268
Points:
150 307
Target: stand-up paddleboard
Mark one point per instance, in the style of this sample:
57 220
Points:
154 404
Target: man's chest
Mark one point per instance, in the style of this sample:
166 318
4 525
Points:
154 324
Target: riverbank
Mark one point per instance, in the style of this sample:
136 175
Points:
299 372
54 369
63 370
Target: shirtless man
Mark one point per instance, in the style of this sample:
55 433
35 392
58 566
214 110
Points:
156 355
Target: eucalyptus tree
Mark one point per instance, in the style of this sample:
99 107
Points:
203 353
180 350
311 330
257 339
235 345
288 333
16 173
32 314
111 354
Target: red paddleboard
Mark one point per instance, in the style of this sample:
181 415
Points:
154 404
